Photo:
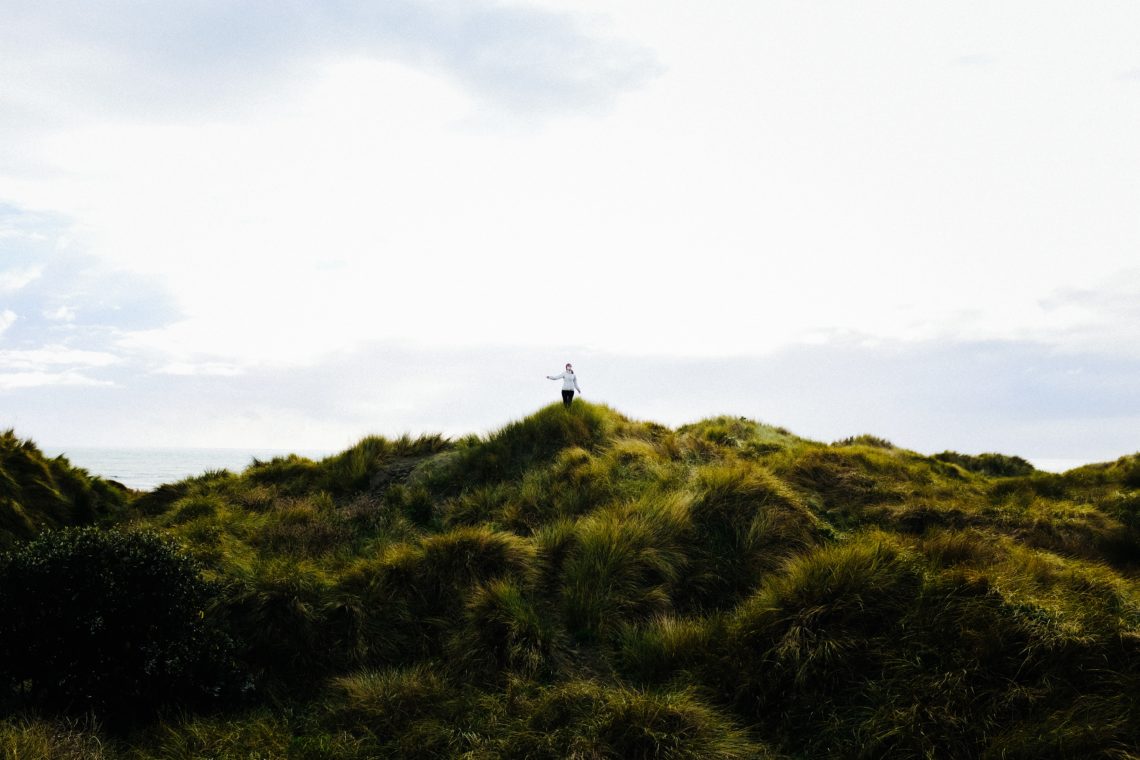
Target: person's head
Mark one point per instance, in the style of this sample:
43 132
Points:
568 367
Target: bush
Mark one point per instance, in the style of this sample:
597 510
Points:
110 622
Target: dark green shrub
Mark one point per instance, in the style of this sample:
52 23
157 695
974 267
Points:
111 622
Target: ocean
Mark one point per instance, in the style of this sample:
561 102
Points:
145 469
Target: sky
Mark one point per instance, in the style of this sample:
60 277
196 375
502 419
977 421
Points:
290 225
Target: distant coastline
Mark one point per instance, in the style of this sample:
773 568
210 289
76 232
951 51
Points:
144 469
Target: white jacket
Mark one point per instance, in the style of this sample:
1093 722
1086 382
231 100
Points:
569 381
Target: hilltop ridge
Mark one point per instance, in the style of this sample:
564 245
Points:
581 584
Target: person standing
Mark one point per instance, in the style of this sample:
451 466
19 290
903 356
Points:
569 384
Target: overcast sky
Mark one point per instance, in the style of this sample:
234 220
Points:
289 225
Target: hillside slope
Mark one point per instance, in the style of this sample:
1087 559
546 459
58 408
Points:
37 492
579 584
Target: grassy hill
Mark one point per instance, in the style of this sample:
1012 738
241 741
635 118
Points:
579 584
37 493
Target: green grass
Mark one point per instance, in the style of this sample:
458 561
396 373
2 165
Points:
36 739
38 493
580 584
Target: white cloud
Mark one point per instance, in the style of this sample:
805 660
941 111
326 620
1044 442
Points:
7 319
61 314
1103 317
53 366
208 369
23 380
54 356
14 279
727 182
173 60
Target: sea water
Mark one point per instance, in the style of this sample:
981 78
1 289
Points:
144 469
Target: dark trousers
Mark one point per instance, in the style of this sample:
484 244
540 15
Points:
567 397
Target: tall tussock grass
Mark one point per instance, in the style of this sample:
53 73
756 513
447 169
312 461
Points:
744 522
38 493
388 701
667 648
38 739
509 452
505 630
843 481
581 585
872 651
995 465
400 606
624 563
278 610
712 438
